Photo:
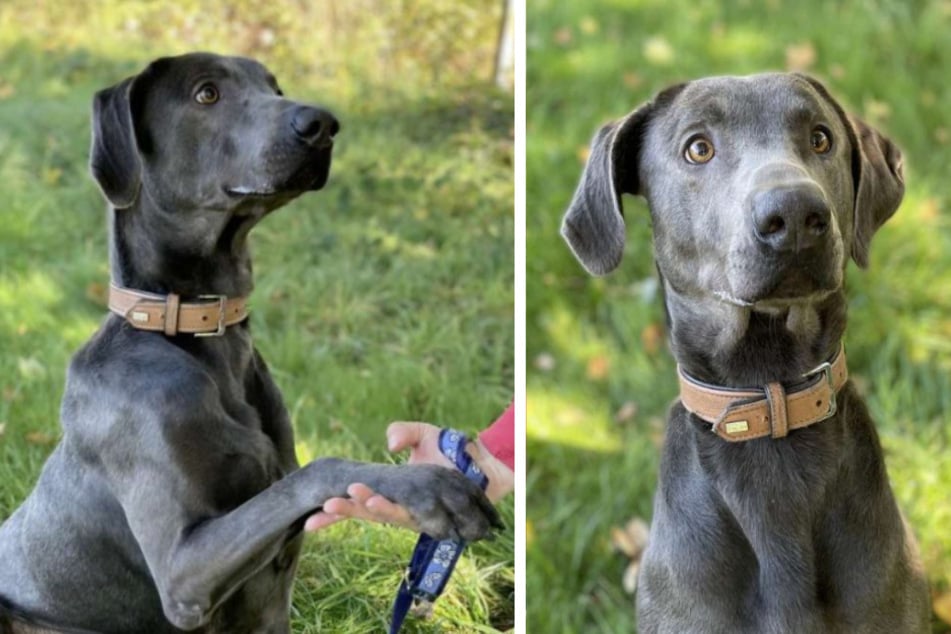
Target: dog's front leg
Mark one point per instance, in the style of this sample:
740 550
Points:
198 563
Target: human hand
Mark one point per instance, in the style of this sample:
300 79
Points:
422 439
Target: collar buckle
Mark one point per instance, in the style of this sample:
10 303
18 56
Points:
220 330
825 369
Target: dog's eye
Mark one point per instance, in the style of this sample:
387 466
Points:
821 141
207 95
699 150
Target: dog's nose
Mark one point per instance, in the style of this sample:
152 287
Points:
790 218
314 126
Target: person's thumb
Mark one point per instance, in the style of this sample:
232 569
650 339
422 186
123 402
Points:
400 435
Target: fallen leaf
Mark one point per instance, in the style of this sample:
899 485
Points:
598 367
941 605
631 541
837 71
629 580
942 136
632 80
97 294
583 153
652 337
40 438
545 362
626 412
3 428
800 57
563 35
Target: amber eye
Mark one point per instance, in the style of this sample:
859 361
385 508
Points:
207 95
699 150
821 141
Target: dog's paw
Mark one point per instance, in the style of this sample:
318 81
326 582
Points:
443 502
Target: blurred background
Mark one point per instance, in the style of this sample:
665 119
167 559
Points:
600 373
395 282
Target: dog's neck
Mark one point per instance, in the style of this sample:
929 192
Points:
727 345
153 250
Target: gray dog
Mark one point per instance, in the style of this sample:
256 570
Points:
773 513
174 500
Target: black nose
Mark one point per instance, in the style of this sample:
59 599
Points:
790 218
314 126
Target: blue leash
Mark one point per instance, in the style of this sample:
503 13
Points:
434 560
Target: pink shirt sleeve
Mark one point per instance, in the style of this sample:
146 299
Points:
499 437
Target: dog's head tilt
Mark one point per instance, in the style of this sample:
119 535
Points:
191 153
760 188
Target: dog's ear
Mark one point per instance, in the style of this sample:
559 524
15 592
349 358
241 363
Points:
880 185
877 175
593 226
114 158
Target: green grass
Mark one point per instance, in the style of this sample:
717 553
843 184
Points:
386 296
595 346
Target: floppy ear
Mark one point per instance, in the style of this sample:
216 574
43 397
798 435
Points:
593 226
878 169
877 175
114 157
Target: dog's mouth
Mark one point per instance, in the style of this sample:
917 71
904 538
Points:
311 175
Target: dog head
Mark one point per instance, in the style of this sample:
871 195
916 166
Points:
206 132
759 188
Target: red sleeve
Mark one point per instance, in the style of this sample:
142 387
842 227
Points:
499 437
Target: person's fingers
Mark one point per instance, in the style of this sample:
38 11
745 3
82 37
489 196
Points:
320 520
359 492
388 511
402 435
343 507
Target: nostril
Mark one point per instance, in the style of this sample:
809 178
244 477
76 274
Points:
816 223
774 224
334 127
306 124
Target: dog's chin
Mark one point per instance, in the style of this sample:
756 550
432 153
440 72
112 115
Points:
792 289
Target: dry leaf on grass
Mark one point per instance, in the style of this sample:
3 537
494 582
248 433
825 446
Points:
598 367
40 438
545 362
800 57
626 412
630 541
942 606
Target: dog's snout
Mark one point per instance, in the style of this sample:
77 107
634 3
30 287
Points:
314 126
790 218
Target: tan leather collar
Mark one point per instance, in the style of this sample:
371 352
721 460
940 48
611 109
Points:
744 414
166 313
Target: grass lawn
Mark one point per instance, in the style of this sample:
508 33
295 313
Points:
386 296
600 374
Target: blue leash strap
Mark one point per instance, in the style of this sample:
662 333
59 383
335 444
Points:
433 560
